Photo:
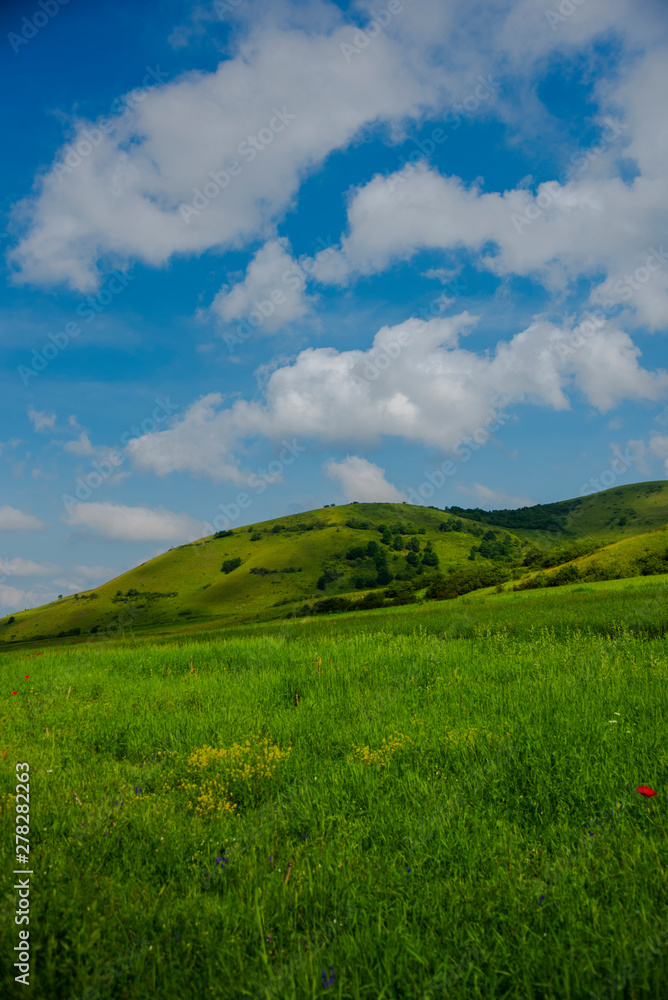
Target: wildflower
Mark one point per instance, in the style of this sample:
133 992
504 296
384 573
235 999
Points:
645 790
540 901
327 982
14 692
26 677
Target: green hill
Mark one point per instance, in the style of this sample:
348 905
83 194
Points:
362 556
612 514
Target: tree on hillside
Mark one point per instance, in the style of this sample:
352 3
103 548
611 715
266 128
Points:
230 564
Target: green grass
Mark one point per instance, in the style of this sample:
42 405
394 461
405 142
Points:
452 860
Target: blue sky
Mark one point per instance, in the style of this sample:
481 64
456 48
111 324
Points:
262 257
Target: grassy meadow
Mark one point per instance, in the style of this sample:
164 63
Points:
416 803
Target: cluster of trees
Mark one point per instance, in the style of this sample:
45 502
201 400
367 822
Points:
648 565
566 574
263 571
230 564
462 581
541 516
544 559
504 549
300 526
145 595
652 564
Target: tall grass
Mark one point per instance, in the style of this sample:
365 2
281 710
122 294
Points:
380 816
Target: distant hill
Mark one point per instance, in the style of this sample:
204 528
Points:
617 512
362 556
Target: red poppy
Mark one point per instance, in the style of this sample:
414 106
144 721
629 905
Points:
14 692
645 790
26 677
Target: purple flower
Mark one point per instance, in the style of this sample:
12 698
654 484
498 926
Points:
327 982
540 901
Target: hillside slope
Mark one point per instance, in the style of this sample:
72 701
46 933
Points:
281 562
611 514
267 571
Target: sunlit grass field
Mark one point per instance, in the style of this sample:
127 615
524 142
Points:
430 805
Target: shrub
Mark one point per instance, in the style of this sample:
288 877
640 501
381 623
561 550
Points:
357 552
256 536
230 564
223 534
329 576
565 574
332 604
371 601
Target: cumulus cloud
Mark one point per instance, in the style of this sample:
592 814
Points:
271 294
264 118
26 567
415 383
586 226
134 524
489 499
41 420
363 481
658 446
13 598
81 446
12 519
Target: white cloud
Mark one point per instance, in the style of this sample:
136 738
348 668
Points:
290 92
658 446
134 524
81 446
41 420
430 391
489 499
363 481
26 567
271 294
12 519
586 226
12 597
